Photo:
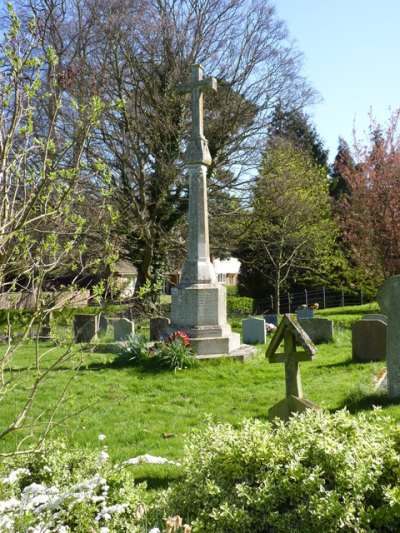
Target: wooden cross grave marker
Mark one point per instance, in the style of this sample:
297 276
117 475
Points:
290 332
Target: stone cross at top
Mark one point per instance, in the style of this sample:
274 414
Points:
197 149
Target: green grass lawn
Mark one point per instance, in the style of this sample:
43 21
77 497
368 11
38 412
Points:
153 412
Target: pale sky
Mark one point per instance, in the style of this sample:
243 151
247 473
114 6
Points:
352 57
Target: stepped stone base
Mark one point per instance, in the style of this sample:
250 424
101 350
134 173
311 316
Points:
242 354
200 311
215 345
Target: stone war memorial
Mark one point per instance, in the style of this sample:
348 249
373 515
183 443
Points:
199 302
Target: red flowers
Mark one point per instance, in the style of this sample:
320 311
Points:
179 335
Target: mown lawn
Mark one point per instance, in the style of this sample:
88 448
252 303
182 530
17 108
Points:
153 412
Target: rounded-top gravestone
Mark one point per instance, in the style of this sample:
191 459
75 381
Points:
389 301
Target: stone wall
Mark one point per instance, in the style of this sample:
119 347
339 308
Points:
26 300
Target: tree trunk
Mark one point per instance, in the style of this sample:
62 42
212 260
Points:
277 292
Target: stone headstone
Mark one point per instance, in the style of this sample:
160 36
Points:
103 323
158 326
271 319
318 329
305 313
86 327
375 316
389 302
45 327
122 329
368 340
253 331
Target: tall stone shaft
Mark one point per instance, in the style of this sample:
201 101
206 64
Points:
198 267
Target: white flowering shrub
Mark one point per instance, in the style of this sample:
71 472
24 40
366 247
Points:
69 490
320 472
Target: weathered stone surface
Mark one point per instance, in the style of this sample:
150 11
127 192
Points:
197 149
198 268
375 316
199 303
318 329
305 313
158 328
369 340
216 345
271 319
123 328
242 354
253 331
86 327
389 302
103 323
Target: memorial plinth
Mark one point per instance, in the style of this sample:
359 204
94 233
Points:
199 301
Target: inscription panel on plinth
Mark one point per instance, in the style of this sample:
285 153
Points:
199 306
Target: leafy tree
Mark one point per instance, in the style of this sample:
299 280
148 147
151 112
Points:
42 230
295 126
343 159
290 230
370 211
135 67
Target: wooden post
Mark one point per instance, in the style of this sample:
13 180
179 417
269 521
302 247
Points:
290 332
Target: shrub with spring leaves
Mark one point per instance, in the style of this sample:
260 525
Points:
320 472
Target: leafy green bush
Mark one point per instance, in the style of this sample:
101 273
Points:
240 306
19 318
231 291
320 472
